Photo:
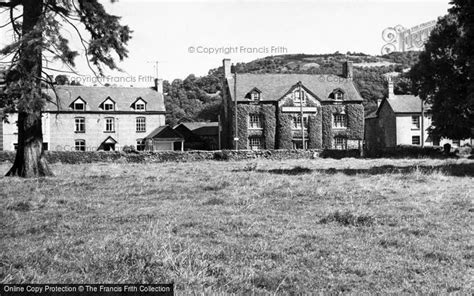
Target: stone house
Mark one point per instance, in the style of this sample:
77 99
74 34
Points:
398 120
291 111
95 118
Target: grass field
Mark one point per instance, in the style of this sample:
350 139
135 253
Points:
300 226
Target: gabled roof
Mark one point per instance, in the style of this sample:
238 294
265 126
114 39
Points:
274 86
165 132
94 96
202 128
405 104
109 140
137 100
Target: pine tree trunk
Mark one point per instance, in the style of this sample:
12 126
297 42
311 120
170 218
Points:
30 160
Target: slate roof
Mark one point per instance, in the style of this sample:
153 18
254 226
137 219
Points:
406 104
165 132
202 128
124 97
275 86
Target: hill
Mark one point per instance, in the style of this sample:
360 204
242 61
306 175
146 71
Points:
196 98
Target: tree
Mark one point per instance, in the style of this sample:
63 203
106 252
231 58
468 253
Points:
61 79
37 26
444 75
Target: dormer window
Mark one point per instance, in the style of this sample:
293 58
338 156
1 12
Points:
78 105
255 96
139 105
108 105
299 97
338 95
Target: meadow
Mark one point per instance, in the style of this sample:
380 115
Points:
262 227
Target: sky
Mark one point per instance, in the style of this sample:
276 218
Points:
193 37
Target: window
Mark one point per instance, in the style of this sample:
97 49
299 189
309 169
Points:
298 144
255 121
299 97
296 121
141 124
338 96
110 124
79 106
45 146
141 145
80 145
140 106
109 106
456 142
255 143
340 143
255 96
80 126
340 121
415 140
415 122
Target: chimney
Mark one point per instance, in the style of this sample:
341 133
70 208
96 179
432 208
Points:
391 94
226 64
159 85
347 70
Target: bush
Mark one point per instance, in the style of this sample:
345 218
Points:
129 149
410 151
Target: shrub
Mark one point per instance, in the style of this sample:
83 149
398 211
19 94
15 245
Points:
447 148
403 151
129 149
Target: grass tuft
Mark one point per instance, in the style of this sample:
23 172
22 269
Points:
348 218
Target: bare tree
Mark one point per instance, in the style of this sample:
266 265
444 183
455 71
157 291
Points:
38 27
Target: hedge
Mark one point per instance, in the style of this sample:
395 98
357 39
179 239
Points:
408 151
72 157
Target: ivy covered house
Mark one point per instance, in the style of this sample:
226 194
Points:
271 109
